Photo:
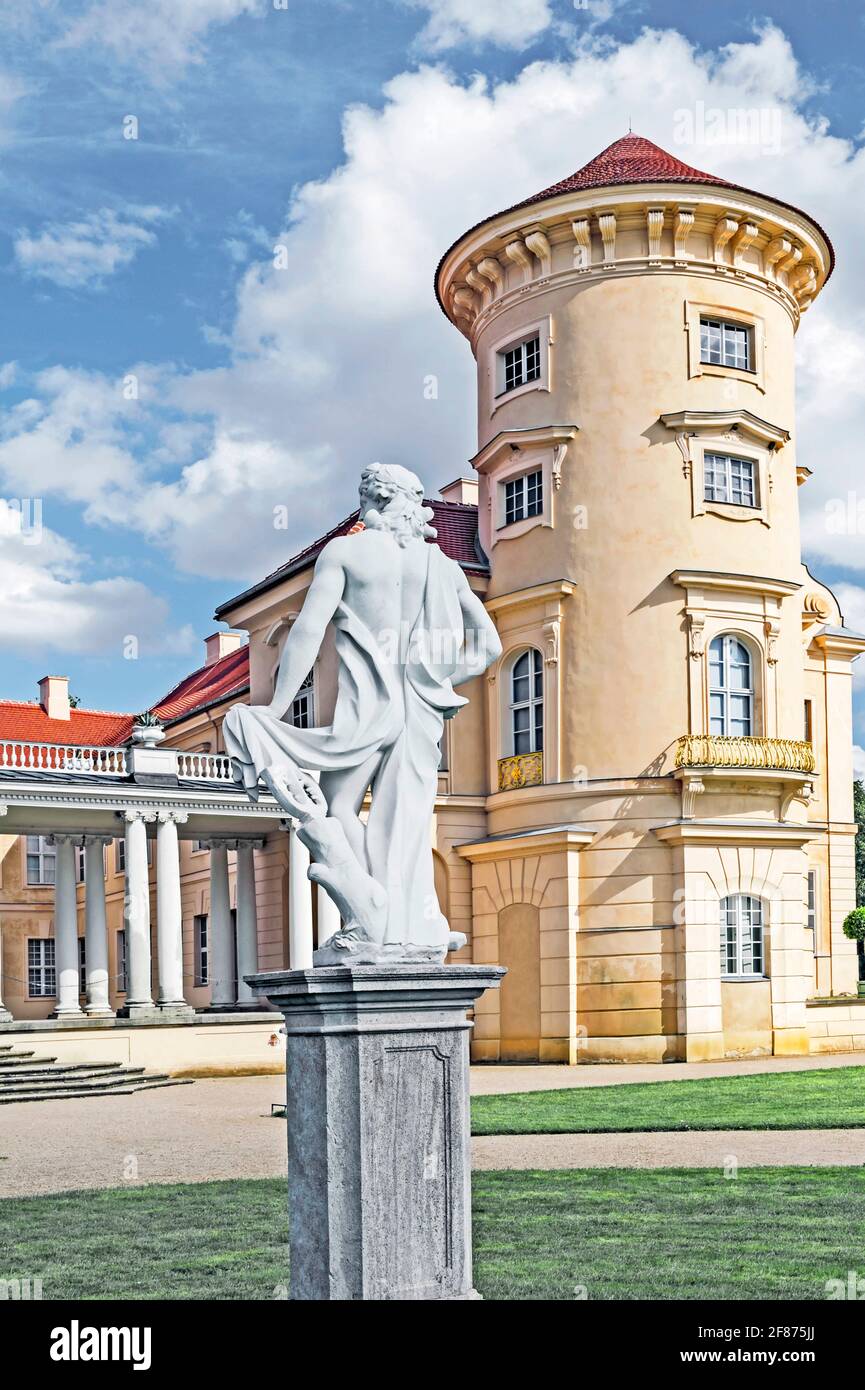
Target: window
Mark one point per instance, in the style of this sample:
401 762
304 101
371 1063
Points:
527 703
730 480
741 936
82 966
41 974
121 962
301 713
524 497
731 688
41 860
811 920
199 925
809 721
725 344
521 363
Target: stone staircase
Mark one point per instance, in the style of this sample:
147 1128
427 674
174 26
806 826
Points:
26 1076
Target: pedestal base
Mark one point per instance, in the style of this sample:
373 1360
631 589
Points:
378 1128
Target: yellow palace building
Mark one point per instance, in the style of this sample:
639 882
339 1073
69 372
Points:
645 811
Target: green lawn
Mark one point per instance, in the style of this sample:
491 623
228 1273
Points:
675 1233
831 1099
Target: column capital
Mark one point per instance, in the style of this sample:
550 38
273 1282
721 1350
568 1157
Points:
88 840
65 839
179 817
134 813
213 842
252 844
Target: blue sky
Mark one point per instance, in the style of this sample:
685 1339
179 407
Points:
164 386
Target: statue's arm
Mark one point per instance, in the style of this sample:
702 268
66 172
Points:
304 640
482 643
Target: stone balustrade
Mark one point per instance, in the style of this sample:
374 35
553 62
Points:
64 757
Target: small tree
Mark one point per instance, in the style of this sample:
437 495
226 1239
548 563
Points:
854 924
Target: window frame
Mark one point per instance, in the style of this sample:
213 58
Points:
734 326
757 944
533 704
122 961
728 460
738 317
45 968
500 395
201 949
44 853
530 480
729 691
82 965
301 714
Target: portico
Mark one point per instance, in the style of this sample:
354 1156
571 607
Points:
80 801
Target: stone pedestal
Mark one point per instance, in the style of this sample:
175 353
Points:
378 1128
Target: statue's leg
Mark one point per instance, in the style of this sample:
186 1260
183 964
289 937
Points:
344 791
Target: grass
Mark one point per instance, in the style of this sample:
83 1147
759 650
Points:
674 1233
830 1099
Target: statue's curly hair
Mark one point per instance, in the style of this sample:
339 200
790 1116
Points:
391 499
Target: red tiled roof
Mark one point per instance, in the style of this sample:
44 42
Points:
206 686
20 719
632 159
456 525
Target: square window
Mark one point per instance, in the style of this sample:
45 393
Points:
524 497
521 364
724 344
730 480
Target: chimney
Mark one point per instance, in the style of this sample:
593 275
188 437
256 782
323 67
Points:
461 490
219 644
54 696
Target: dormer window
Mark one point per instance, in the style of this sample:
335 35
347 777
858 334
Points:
524 497
731 480
725 344
520 363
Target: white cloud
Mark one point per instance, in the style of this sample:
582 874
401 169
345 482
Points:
330 357
84 253
159 36
858 762
513 24
48 605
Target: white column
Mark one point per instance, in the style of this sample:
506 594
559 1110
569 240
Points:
222 955
136 913
5 1016
247 919
329 920
96 927
169 912
66 928
299 904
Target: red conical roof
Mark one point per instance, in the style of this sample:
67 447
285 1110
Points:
633 159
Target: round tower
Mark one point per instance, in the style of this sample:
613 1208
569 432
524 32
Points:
633 329
660 747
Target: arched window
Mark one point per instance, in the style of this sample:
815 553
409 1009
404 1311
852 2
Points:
742 947
731 687
527 703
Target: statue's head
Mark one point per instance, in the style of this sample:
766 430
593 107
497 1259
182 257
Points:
391 499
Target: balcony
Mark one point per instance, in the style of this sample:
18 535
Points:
522 770
768 754
20 756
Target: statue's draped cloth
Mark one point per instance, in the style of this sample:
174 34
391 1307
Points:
393 693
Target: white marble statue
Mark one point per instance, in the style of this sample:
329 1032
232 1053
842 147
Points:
408 630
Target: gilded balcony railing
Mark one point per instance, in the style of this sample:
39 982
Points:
716 750
522 770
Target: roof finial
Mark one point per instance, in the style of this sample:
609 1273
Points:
630 127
